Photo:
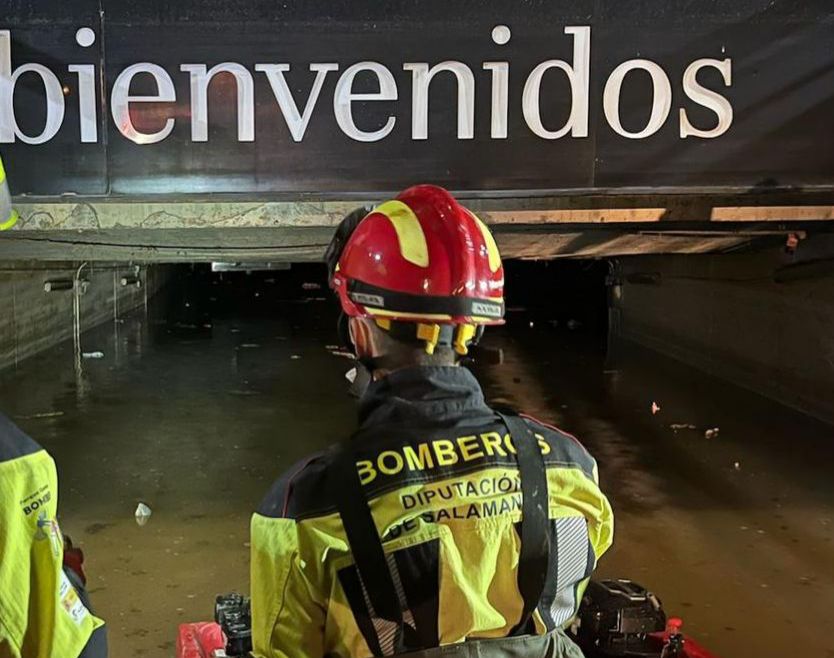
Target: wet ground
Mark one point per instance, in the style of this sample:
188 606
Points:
194 410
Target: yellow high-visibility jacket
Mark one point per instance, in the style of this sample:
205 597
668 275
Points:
41 614
8 215
441 477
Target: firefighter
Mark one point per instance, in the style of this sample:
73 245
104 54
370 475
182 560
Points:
441 521
44 611
8 215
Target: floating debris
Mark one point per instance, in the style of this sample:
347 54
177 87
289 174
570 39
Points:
711 433
249 346
655 408
45 414
142 514
682 426
93 355
295 357
737 466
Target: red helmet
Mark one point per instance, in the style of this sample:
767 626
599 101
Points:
423 259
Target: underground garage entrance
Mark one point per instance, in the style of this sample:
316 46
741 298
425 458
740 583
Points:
201 387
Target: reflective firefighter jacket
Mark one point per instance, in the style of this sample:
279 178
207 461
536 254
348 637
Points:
439 471
8 215
41 613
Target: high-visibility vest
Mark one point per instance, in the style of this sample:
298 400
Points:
8 215
41 612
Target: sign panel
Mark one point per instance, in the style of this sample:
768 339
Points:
331 99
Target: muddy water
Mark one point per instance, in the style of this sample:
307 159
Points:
196 418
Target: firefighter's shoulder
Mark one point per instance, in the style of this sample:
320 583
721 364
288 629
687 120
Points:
14 443
300 491
565 448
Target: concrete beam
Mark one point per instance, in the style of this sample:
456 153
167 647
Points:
295 244
215 228
69 214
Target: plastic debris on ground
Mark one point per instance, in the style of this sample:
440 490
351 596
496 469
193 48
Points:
655 408
93 355
142 514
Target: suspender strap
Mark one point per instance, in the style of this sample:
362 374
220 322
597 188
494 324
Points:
345 489
535 520
365 543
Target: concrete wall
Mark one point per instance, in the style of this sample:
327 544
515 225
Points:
764 321
32 320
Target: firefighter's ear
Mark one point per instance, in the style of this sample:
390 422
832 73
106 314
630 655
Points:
362 337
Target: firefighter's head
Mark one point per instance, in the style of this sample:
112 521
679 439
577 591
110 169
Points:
418 278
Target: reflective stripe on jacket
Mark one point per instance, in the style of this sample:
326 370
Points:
439 470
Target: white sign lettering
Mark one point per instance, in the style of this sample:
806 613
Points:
239 85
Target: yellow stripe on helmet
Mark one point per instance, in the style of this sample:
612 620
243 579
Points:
440 317
492 248
410 234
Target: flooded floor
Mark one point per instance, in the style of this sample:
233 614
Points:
195 412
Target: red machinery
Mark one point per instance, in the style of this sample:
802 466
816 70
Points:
617 619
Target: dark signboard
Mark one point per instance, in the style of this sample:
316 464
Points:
109 97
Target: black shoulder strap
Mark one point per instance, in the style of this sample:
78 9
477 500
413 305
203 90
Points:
369 557
535 519
365 543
